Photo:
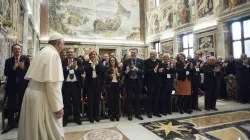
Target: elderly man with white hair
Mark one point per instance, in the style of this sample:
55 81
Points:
153 83
168 73
42 107
211 71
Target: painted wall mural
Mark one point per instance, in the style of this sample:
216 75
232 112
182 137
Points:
5 9
168 17
167 47
232 3
183 12
112 19
205 7
172 14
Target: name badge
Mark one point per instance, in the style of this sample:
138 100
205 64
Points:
197 69
71 71
187 72
94 74
247 66
173 92
168 75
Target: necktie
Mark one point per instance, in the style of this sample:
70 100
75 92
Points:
71 75
17 78
16 59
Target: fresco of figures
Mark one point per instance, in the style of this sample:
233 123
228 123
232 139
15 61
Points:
112 19
172 14
232 3
167 18
204 8
5 9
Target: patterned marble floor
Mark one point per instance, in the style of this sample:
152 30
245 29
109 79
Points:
231 122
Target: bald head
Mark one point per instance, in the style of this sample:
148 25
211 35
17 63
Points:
211 60
153 54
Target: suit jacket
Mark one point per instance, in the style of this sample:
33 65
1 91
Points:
12 75
78 72
182 72
152 78
167 83
196 77
140 72
89 82
210 76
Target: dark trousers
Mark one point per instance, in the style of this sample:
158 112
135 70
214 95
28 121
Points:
113 98
153 98
244 91
133 91
15 98
210 97
223 88
94 97
194 95
71 90
184 102
165 106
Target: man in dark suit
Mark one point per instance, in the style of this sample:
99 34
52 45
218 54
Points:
241 75
133 70
15 70
211 72
153 83
196 80
72 85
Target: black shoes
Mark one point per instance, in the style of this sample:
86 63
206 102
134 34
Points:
197 108
97 119
115 117
139 117
130 118
112 118
65 124
149 115
79 122
164 114
91 120
157 115
181 111
8 128
214 109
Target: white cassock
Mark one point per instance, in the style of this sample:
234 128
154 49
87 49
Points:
42 98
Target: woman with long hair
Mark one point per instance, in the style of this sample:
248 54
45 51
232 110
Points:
184 70
113 88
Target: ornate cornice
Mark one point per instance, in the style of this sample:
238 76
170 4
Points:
234 13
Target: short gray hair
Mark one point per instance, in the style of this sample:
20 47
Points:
166 54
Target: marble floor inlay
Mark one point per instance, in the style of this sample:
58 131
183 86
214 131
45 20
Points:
232 117
99 134
225 126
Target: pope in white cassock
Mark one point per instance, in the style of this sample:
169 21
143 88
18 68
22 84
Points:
42 107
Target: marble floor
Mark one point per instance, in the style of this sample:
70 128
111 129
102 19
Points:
230 122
